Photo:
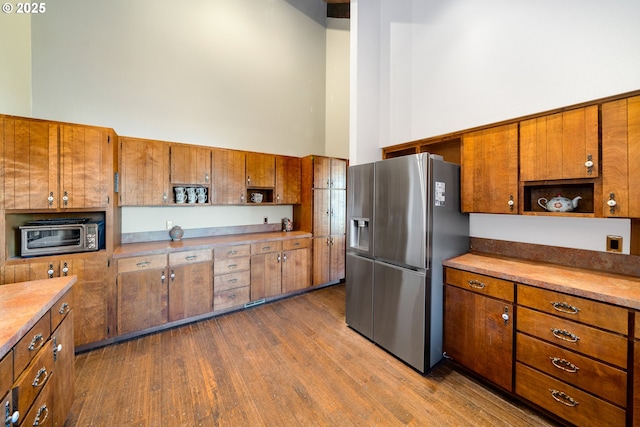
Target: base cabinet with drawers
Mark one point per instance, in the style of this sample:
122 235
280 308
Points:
572 356
232 276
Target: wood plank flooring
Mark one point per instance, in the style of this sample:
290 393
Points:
293 362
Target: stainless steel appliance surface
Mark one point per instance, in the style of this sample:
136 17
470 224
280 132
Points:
409 210
61 236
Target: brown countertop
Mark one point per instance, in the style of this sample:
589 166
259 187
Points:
23 304
166 246
597 285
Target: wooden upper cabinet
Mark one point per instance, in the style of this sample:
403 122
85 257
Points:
260 170
288 178
228 177
329 172
55 166
144 172
190 164
490 170
621 158
560 146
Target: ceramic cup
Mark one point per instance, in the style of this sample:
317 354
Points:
181 195
191 195
256 197
202 194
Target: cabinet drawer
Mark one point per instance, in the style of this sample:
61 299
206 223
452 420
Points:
266 247
6 372
150 262
190 257
225 282
41 413
588 374
28 346
593 342
225 252
481 284
33 380
569 403
291 244
61 308
231 265
594 313
231 298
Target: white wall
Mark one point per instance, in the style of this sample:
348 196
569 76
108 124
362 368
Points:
15 64
337 104
439 66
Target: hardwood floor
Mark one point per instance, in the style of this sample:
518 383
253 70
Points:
289 363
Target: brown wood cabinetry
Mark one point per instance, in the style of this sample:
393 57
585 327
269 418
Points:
479 318
190 283
490 170
571 356
260 170
621 158
49 165
279 267
63 365
560 146
228 177
296 264
144 172
231 281
288 176
190 164
142 293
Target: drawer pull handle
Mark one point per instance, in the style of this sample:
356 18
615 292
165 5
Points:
476 284
64 308
563 307
296 244
191 257
36 381
232 266
233 296
143 264
233 280
563 364
563 398
266 248
36 338
232 252
563 334
37 421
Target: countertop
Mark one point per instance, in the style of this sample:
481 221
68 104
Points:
166 246
596 285
23 304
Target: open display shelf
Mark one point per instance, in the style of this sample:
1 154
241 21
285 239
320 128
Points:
534 191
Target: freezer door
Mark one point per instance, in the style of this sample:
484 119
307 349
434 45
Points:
359 284
360 189
400 204
399 312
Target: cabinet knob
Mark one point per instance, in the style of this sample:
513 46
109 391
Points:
65 198
163 277
511 202
589 164
173 276
284 257
13 418
50 198
612 203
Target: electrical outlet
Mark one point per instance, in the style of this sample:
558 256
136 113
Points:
266 220
614 243
169 224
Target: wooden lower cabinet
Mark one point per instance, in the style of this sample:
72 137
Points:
479 327
282 267
190 284
63 368
142 293
296 265
231 280
328 259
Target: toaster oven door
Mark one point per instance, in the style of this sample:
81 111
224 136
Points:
52 240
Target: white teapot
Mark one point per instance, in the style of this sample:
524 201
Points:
559 203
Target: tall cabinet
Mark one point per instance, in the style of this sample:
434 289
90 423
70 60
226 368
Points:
323 212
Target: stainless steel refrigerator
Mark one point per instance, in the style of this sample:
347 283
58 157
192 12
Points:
403 219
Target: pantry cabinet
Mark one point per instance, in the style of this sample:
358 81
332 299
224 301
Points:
48 165
489 168
144 172
621 158
190 283
478 322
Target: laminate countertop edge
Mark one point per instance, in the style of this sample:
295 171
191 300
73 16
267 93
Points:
23 304
600 286
196 243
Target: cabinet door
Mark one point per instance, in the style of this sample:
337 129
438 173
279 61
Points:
621 158
190 164
490 170
321 172
266 275
558 146
63 368
296 272
190 290
83 155
321 212
476 335
229 177
261 170
144 172
338 211
288 180
321 260
30 164
338 179
337 257
142 300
